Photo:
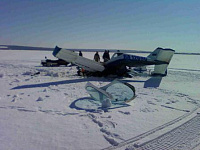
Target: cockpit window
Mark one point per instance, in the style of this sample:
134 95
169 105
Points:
114 55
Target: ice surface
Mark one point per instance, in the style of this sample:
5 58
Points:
51 109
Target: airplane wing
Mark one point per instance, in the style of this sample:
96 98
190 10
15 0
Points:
80 61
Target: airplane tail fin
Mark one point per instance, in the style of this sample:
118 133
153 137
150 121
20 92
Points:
162 55
72 57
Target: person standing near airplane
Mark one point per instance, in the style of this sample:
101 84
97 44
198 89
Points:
97 57
106 56
80 53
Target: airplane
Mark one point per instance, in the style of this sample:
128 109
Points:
119 62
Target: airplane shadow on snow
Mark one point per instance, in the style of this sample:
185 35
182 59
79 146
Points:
152 82
59 83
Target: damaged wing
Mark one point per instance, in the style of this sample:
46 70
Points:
80 61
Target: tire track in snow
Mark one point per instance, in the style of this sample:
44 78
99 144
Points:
184 137
143 135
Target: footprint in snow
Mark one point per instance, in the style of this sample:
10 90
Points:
95 120
1 75
39 99
112 141
15 98
125 113
110 134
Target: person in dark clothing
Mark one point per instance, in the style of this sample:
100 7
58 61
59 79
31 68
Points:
106 56
80 53
97 57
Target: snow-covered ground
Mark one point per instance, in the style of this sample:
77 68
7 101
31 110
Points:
48 108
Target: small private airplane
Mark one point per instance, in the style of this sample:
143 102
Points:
119 62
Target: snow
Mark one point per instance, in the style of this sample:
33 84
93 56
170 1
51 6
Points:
49 108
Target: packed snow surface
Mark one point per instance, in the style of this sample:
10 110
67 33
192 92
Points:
48 108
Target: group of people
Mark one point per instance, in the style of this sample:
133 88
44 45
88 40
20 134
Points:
106 56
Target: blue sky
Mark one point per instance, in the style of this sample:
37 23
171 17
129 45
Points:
107 24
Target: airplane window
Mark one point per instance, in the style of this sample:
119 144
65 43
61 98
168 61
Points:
114 55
